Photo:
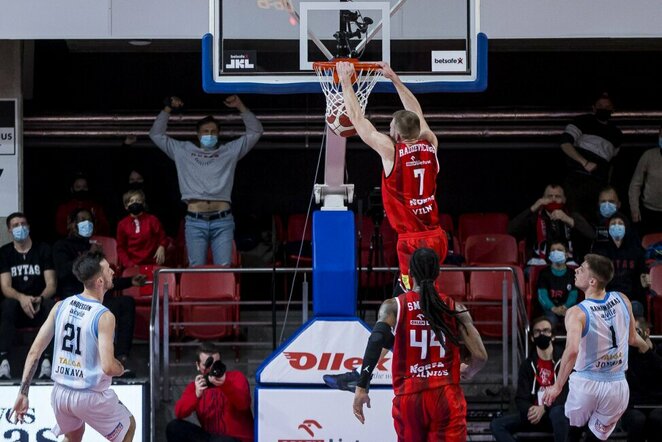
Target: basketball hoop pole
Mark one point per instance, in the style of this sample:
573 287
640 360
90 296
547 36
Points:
334 192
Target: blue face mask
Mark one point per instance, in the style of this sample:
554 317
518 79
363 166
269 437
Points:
557 256
20 233
607 209
659 142
85 228
617 231
208 142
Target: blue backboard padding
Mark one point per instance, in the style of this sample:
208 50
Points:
212 87
334 263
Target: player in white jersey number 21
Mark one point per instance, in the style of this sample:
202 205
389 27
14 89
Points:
83 361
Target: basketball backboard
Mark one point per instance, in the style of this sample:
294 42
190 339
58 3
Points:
268 46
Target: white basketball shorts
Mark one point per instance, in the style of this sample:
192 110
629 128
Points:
101 410
600 404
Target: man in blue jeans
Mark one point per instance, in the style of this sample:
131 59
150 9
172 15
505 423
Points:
205 170
536 373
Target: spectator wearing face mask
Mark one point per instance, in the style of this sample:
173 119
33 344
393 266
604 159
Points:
81 199
547 221
65 252
625 251
205 169
608 204
535 374
556 286
590 143
646 190
140 235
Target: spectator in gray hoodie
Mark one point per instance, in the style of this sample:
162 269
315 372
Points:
205 170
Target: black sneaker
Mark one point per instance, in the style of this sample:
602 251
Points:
346 381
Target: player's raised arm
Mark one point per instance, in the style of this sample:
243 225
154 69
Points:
364 128
409 101
633 337
472 341
40 343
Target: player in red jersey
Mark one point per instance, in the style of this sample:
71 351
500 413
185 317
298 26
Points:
409 159
426 329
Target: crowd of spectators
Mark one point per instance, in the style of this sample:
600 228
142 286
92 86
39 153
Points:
584 214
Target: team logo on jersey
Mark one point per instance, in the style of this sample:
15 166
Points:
420 321
602 428
116 432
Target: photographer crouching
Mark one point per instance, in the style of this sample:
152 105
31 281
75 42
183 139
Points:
221 400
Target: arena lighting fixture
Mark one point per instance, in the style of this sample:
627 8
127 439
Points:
140 42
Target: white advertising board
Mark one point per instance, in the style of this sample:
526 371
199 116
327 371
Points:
322 415
9 158
40 418
323 347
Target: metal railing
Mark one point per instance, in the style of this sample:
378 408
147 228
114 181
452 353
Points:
159 357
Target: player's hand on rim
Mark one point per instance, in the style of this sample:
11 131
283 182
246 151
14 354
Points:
360 397
387 72
344 69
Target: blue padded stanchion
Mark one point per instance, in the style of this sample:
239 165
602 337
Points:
334 264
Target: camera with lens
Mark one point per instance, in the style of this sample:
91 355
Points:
215 369
376 206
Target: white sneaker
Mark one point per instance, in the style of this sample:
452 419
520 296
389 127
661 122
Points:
45 372
5 371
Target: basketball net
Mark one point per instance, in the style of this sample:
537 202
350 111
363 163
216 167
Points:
364 79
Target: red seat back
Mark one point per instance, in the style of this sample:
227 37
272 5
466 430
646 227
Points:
109 247
295 228
477 223
453 284
490 248
446 223
209 287
650 239
488 286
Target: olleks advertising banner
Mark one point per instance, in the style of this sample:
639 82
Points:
40 418
322 415
323 347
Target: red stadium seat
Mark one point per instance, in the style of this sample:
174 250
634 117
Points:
296 235
650 239
143 296
487 286
477 223
446 223
390 258
490 248
453 284
109 247
209 287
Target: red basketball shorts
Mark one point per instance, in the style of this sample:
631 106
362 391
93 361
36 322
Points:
438 415
408 242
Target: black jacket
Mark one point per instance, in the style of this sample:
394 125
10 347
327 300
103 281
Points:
527 385
65 252
643 376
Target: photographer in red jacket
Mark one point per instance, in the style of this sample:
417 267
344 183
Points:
221 400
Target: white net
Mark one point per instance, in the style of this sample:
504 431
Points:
366 76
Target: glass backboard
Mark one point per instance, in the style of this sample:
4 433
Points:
268 46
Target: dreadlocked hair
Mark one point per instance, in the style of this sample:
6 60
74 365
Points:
424 267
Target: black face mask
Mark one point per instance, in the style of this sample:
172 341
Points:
542 341
603 114
81 194
136 208
136 186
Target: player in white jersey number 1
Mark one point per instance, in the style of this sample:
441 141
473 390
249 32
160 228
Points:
599 330
83 361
